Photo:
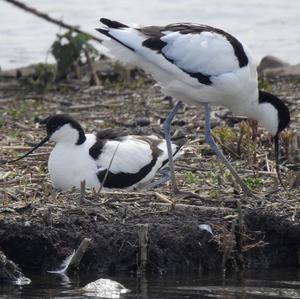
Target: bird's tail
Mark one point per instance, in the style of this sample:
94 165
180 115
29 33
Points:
122 42
179 141
110 31
112 24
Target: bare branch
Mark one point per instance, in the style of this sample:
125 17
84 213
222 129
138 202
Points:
51 19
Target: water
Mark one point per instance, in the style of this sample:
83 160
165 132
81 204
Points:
267 27
252 285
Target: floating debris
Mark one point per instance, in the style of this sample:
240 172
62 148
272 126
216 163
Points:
206 227
105 288
10 273
64 265
73 259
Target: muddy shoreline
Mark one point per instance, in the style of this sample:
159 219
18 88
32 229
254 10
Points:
39 238
39 227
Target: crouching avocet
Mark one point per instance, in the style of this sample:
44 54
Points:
199 64
121 161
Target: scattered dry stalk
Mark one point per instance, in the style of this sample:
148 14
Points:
107 171
82 191
92 68
80 252
143 245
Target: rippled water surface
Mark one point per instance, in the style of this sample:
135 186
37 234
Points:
267 284
268 27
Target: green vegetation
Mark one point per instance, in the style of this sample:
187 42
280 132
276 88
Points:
214 194
22 108
191 178
69 50
44 78
253 182
264 85
27 108
224 134
125 79
238 143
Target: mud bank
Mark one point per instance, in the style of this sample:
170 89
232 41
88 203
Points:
39 236
39 227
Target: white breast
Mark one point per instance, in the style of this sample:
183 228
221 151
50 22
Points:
69 164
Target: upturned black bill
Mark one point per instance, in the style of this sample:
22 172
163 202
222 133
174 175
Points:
25 155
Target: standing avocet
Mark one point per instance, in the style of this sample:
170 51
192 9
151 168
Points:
115 160
199 64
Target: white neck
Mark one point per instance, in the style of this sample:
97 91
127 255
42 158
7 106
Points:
65 134
266 114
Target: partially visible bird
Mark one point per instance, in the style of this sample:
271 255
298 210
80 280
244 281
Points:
111 158
199 64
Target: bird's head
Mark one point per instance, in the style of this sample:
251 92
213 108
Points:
60 128
276 121
63 128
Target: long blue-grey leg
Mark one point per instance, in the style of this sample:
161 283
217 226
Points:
167 131
209 139
165 177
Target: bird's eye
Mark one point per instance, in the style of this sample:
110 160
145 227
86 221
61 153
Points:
52 128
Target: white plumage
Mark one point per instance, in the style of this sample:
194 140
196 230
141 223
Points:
198 64
113 159
207 52
205 58
69 164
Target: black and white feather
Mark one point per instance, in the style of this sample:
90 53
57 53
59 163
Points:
126 161
197 64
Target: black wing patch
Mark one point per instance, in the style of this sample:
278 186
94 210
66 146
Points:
123 179
96 150
111 133
156 44
102 137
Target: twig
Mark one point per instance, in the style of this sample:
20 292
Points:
16 181
163 198
80 252
143 243
240 232
74 259
267 162
92 68
126 192
51 19
77 71
258 172
108 168
296 181
199 208
228 244
18 147
82 106
229 150
82 191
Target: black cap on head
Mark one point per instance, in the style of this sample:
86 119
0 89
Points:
53 123
283 110
283 121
